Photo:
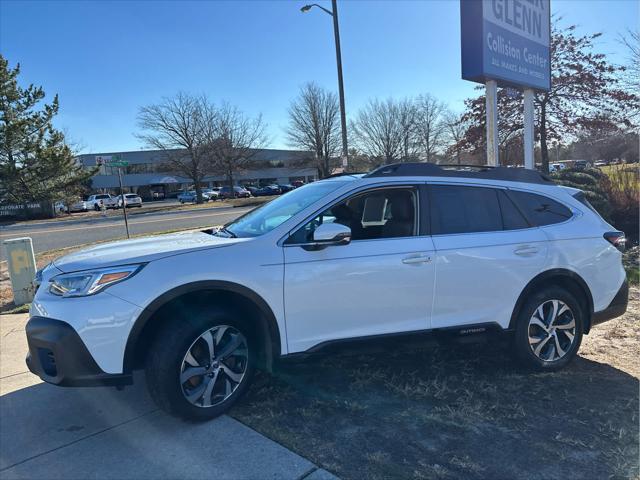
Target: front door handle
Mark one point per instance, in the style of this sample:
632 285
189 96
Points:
416 259
526 250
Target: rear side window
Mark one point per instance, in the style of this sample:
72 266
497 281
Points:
540 210
457 209
511 216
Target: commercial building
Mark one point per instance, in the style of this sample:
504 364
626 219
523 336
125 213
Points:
149 175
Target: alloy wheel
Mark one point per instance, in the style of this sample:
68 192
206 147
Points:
214 366
552 330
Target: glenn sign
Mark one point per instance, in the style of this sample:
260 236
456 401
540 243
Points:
507 41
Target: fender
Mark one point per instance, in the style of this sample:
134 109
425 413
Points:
552 274
268 320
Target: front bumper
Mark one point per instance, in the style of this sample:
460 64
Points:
58 355
616 308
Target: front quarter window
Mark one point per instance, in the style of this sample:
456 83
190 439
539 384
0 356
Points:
273 214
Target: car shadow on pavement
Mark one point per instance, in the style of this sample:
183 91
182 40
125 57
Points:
449 411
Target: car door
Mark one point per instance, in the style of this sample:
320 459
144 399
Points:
379 283
486 253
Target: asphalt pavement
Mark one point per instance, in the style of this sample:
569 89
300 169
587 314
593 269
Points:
49 235
51 432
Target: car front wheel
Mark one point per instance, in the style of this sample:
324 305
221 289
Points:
199 367
549 329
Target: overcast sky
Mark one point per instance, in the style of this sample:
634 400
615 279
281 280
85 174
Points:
105 59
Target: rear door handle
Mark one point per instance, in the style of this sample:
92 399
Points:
526 250
416 259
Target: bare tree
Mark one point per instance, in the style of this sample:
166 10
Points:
456 128
430 126
408 115
181 126
234 140
377 130
314 124
631 41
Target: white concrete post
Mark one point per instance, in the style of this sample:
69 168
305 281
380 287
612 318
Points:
492 123
22 268
528 129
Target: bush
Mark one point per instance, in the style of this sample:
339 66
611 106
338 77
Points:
623 192
593 183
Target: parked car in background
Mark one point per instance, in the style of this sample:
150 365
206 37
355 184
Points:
286 188
157 195
210 193
79 206
582 164
133 200
95 201
601 163
297 183
268 191
252 190
187 197
557 167
237 192
60 207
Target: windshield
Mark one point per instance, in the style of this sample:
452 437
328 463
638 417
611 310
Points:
273 214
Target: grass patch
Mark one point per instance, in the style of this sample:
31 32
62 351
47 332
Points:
425 410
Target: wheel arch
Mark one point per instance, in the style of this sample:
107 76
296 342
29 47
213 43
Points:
561 277
221 292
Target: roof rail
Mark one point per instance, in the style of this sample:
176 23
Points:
414 169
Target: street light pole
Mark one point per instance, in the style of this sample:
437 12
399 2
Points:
343 115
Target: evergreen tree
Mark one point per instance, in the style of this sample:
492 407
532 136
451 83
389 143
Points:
36 163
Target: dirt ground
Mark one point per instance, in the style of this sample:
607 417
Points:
433 410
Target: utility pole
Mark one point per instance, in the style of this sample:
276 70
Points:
336 34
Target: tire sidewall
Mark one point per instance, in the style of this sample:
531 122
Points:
163 367
522 347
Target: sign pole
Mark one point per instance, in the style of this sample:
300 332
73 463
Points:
124 203
492 123
528 129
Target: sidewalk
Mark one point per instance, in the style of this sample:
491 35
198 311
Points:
52 432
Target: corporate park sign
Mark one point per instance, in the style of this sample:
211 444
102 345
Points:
507 41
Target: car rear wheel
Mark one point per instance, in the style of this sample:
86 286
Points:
198 367
549 329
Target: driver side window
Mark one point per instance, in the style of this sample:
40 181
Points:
372 215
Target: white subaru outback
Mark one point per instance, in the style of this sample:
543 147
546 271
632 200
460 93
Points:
404 249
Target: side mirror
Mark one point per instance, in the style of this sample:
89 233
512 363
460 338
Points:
330 234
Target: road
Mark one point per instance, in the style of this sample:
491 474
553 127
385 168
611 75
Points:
69 233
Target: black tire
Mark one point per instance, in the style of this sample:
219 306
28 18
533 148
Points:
525 351
165 360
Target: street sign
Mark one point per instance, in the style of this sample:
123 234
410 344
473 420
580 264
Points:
507 41
111 160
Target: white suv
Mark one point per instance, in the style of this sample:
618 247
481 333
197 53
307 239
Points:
407 248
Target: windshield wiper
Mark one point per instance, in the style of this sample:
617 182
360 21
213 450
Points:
228 232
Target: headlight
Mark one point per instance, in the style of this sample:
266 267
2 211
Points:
81 284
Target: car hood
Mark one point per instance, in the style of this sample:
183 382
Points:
140 250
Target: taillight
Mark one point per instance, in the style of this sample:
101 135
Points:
617 239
